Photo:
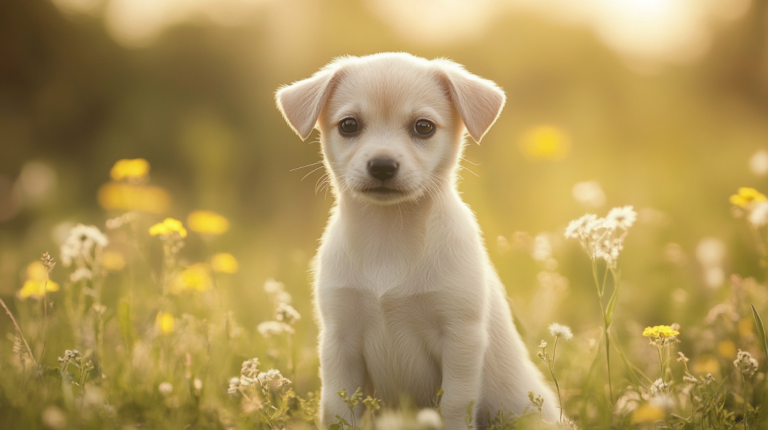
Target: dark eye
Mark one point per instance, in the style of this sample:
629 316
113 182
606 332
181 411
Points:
423 128
348 126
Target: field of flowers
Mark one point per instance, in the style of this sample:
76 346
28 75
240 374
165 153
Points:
138 334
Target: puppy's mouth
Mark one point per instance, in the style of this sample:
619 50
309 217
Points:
382 191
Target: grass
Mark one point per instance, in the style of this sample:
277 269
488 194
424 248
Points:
160 349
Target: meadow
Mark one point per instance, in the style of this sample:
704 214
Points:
143 338
158 218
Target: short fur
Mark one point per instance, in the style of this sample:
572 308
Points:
407 298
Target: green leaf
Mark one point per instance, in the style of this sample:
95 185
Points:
760 330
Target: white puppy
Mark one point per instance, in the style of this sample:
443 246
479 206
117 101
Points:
407 298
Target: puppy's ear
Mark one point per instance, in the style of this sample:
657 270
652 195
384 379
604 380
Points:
479 101
301 102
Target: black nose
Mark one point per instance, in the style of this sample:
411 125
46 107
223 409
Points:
382 168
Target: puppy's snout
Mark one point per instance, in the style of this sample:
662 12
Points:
382 168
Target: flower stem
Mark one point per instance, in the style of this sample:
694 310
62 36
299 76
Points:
18 330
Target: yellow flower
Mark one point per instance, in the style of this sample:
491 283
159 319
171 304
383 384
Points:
646 413
660 331
113 261
194 278
207 222
123 196
168 227
545 142
746 196
37 272
164 322
37 289
224 262
727 349
129 169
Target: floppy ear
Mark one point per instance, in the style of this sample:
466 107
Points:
479 101
301 102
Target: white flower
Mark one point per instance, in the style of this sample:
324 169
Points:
543 344
542 248
273 287
269 328
622 218
80 242
286 313
581 228
390 420
759 215
54 418
662 401
429 418
589 193
745 363
759 163
80 274
198 384
659 387
234 385
710 252
559 330
165 388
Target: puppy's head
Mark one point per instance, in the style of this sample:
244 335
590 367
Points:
391 124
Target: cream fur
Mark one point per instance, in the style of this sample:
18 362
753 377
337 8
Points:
407 298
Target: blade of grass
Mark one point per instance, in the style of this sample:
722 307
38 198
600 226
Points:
18 330
760 330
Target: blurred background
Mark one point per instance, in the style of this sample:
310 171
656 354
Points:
660 104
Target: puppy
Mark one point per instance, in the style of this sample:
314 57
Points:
407 298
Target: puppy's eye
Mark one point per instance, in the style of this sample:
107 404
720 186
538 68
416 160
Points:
423 128
348 126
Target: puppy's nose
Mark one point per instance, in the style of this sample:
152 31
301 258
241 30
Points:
382 168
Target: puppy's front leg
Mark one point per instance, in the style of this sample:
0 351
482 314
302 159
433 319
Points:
463 350
342 367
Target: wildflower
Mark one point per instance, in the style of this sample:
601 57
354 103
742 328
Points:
164 322
429 418
543 344
542 248
54 418
647 413
129 169
662 401
545 142
48 262
269 328
194 278
37 284
207 222
759 215
682 359
234 386
558 330
390 420
277 291
745 363
589 193
659 386
660 331
197 384
581 228
113 261
131 197
165 388
80 274
273 375
727 349
224 263
759 163
746 196
622 218
286 313
80 242
690 379
169 227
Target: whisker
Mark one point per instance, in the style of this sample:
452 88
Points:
313 171
310 164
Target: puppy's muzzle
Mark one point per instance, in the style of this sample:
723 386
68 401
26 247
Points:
382 168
